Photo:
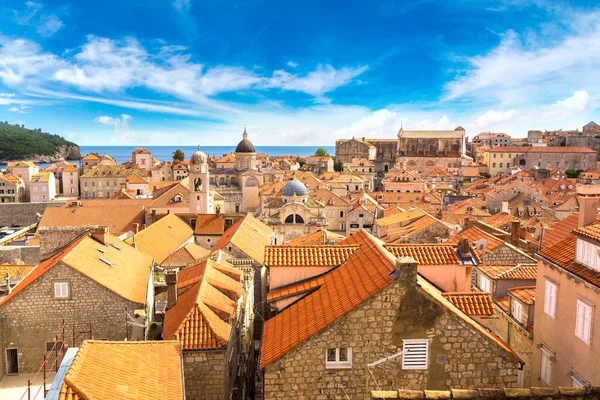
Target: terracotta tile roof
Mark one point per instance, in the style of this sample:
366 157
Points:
510 272
71 168
13 270
365 274
249 235
525 294
475 234
499 220
199 319
307 256
295 288
503 303
119 218
135 179
535 149
111 171
426 254
472 303
91 156
105 370
399 235
166 198
400 217
162 237
315 238
184 255
209 224
227 158
43 177
589 232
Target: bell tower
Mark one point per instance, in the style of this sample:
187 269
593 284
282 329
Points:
201 200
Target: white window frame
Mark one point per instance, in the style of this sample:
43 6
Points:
337 364
411 346
583 321
550 291
63 292
517 310
484 282
546 365
577 381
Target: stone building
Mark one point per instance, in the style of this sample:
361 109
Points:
103 181
42 187
210 311
346 150
70 181
12 189
24 170
328 342
424 150
141 158
96 279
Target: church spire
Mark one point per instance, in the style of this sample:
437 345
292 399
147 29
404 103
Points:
245 134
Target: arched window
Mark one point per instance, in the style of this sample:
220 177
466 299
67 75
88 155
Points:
386 168
294 219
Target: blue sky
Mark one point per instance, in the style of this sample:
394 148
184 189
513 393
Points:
295 72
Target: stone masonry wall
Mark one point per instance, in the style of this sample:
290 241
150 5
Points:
24 213
34 316
429 234
27 254
519 339
504 255
534 393
459 355
55 237
205 375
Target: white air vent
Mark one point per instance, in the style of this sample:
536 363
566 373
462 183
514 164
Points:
416 353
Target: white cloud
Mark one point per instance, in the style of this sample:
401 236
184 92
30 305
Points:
22 59
117 123
491 118
122 132
292 64
49 25
46 24
21 109
575 104
444 123
181 5
381 123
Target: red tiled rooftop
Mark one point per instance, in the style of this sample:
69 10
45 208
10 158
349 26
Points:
472 303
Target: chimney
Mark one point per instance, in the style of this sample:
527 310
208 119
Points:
136 228
505 208
515 232
171 281
464 250
324 232
406 271
588 196
218 212
99 233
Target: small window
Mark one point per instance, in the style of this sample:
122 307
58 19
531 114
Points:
484 283
61 290
416 353
550 299
50 346
517 311
340 357
583 322
577 381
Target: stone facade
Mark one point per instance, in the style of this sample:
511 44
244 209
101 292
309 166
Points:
55 237
553 393
506 254
34 316
459 354
206 375
24 213
27 254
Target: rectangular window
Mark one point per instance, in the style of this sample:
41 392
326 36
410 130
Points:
484 283
61 290
583 322
577 381
341 214
550 299
338 358
50 346
517 310
361 215
546 366
416 353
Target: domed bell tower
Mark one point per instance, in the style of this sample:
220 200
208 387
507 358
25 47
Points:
200 196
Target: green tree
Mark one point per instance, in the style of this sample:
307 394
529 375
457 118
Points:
321 152
178 156
338 166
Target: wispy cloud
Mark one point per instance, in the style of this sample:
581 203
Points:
292 64
22 109
45 23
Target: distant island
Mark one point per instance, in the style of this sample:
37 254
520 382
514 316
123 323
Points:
20 143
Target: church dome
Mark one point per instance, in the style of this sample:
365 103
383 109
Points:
198 158
294 187
245 146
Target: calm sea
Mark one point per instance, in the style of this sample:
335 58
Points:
165 153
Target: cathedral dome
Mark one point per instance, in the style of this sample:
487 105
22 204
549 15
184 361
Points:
198 158
294 187
245 146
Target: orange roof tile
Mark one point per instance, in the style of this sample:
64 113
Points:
472 303
503 303
315 238
510 272
398 235
13 270
209 224
149 370
560 230
591 232
295 288
119 218
184 255
499 219
219 275
307 256
474 234
249 235
162 237
426 254
525 294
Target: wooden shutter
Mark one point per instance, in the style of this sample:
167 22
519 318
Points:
550 299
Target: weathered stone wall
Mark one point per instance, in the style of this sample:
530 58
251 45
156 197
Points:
205 374
459 354
552 393
519 339
208 242
24 213
53 238
34 316
27 254
429 234
504 255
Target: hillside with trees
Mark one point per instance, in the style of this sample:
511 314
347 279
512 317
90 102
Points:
18 143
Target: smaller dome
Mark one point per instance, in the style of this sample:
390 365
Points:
294 187
198 158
